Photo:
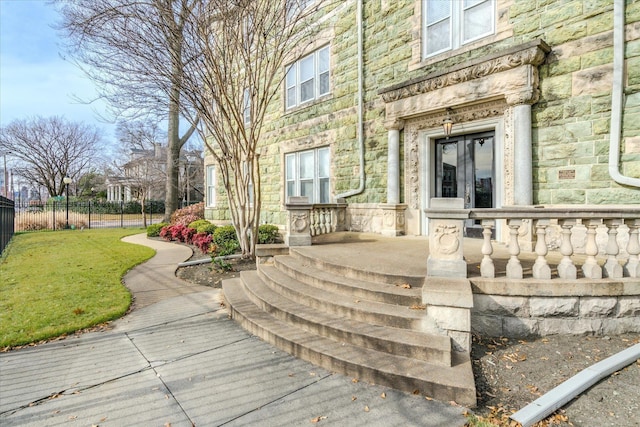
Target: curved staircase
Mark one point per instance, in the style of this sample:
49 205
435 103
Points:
366 325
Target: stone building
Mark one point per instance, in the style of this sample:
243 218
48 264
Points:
543 98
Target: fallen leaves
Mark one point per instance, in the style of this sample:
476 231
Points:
404 286
316 420
418 307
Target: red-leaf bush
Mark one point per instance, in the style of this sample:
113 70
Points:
186 216
165 233
187 234
203 241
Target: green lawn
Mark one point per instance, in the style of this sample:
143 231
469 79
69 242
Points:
53 283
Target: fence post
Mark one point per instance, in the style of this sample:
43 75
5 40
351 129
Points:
55 207
89 226
121 213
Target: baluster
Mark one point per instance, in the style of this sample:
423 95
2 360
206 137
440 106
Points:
314 222
566 268
541 269
514 268
487 269
612 267
323 221
632 267
591 269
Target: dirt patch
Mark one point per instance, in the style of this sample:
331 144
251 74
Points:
512 373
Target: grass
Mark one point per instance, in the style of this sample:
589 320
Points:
55 283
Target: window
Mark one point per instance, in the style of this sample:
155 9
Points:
308 78
307 174
450 24
211 185
246 107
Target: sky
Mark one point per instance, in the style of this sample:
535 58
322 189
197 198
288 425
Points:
34 79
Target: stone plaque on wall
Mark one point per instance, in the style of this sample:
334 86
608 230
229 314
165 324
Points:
567 174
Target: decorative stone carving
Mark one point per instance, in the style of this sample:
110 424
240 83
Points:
393 221
530 54
299 222
413 128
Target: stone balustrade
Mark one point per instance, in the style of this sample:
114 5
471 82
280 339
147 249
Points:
308 220
565 220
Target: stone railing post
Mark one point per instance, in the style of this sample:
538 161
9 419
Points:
566 268
590 268
446 293
299 222
446 254
541 269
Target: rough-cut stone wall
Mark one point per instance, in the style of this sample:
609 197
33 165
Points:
570 120
522 316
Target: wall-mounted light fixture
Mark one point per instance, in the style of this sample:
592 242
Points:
447 123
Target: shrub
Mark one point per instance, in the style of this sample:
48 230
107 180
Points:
165 233
154 229
203 241
268 233
203 226
226 240
187 215
187 234
176 232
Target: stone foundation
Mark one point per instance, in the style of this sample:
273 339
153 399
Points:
539 309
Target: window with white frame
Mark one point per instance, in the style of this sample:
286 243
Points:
307 175
211 185
450 24
308 78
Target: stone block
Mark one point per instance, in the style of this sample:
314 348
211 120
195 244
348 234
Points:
592 81
500 305
597 307
562 12
486 325
518 327
460 341
451 318
629 306
621 325
553 307
555 88
564 326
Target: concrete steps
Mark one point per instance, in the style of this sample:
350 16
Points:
346 322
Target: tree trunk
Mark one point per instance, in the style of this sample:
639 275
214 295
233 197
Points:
174 144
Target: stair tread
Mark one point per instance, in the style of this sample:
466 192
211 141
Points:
459 376
302 313
328 262
404 313
365 287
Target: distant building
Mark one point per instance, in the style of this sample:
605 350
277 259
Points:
144 176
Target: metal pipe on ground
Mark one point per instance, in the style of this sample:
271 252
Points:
568 390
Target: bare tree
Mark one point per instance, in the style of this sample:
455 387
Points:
132 51
235 55
49 149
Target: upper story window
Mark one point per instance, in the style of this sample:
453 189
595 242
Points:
307 174
450 24
308 78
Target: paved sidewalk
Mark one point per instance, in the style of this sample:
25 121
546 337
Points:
178 360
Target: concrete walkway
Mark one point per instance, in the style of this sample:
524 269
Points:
178 360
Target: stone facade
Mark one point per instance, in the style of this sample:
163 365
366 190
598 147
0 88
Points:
541 82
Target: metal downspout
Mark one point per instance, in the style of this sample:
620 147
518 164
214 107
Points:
359 130
617 96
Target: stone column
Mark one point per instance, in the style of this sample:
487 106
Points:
393 220
522 153
393 162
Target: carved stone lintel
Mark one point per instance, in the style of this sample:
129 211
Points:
528 54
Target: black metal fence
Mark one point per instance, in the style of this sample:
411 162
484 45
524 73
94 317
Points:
59 214
7 214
